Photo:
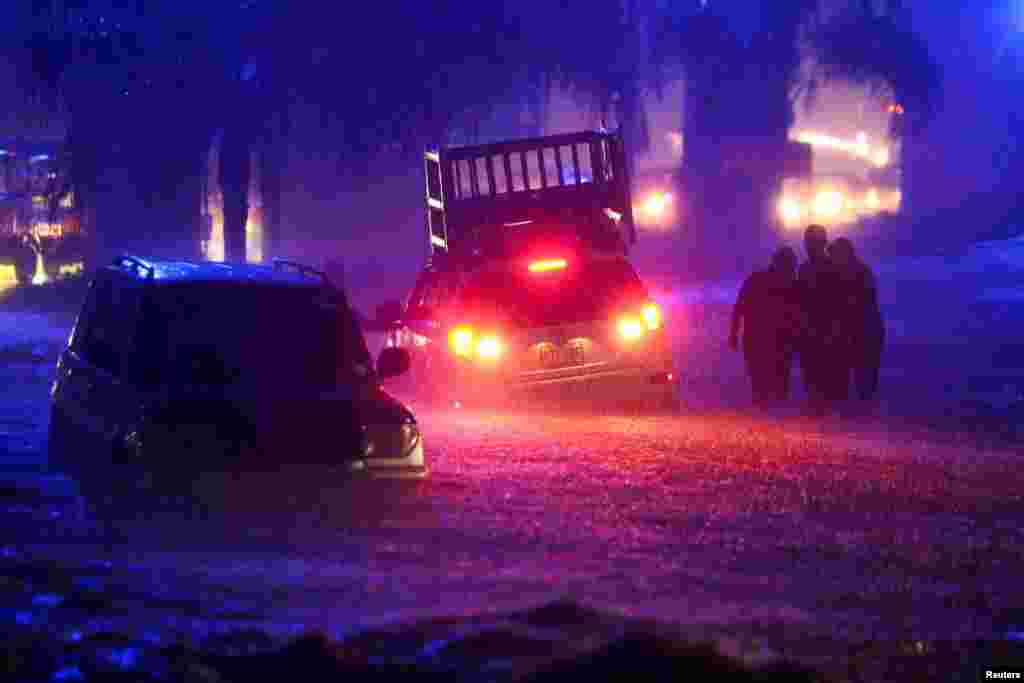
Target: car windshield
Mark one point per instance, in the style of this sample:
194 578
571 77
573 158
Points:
256 334
579 292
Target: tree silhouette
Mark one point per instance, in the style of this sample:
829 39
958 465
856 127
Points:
878 49
128 80
743 94
145 86
715 63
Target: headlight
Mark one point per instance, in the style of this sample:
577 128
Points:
655 205
829 203
790 210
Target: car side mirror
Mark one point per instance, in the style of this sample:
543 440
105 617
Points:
393 361
388 313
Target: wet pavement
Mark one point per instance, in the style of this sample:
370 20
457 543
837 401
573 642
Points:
726 522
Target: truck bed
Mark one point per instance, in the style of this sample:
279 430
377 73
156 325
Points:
477 189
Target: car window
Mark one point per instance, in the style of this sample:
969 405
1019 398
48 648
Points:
78 333
112 311
415 301
264 335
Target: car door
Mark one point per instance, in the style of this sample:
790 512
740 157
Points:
444 297
421 315
106 376
74 381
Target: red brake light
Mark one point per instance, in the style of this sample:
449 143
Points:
547 264
630 328
464 341
652 316
489 347
461 340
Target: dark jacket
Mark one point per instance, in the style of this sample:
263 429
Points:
770 312
820 293
860 317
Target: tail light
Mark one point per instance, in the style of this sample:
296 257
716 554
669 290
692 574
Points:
464 342
489 347
652 316
634 326
460 340
630 328
546 265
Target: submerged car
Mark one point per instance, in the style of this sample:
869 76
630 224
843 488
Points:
177 367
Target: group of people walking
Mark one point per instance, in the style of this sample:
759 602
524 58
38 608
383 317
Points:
824 311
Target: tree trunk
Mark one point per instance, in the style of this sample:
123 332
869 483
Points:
907 176
691 161
8 173
630 114
914 153
235 160
173 210
537 104
114 170
187 207
83 182
272 160
705 129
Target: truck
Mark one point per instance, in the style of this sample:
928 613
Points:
527 287
477 196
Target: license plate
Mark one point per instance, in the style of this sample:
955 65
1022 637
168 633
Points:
572 354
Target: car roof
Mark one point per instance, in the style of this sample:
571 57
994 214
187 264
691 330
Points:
195 271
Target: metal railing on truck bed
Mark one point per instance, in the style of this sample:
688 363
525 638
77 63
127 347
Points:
476 189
